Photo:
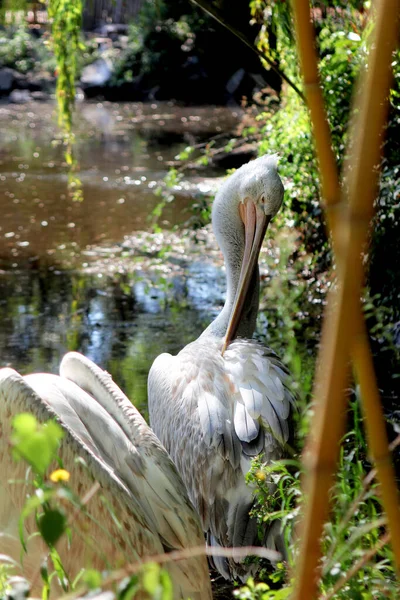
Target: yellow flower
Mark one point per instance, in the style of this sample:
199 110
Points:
60 475
261 476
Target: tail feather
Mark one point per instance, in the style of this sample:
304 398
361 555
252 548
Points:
244 532
244 527
275 540
219 563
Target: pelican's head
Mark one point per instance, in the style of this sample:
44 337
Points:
261 185
256 194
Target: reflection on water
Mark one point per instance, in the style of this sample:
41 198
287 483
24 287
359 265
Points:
116 322
123 152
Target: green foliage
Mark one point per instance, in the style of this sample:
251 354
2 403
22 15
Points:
92 578
158 43
165 191
385 251
128 63
26 53
341 48
51 525
290 312
66 18
261 591
342 51
48 500
19 50
156 582
35 443
355 526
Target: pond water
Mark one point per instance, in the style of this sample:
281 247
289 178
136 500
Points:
48 304
123 152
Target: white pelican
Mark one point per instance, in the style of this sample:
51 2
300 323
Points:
224 398
142 507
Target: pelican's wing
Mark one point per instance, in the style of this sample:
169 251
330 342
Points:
262 398
135 453
113 515
214 413
192 416
149 474
136 470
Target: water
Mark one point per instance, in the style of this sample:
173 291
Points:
48 304
123 152
119 323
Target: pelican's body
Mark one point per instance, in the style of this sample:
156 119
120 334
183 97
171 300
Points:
141 509
224 398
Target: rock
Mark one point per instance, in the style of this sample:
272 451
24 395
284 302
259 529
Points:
6 80
40 96
97 74
31 81
40 82
113 30
20 96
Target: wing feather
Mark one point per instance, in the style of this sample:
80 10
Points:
212 416
252 398
261 380
246 427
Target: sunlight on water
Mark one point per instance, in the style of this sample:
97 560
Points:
47 304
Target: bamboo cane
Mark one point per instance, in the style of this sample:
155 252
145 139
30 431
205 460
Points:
332 368
361 355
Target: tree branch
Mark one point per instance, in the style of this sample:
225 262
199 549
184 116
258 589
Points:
217 15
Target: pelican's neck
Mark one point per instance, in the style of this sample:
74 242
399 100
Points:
229 231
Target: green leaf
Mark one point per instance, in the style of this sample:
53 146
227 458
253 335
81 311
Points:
128 588
59 569
151 578
92 578
54 434
44 573
24 424
167 587
35 443
52 524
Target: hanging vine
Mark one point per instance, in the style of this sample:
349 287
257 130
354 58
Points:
66 22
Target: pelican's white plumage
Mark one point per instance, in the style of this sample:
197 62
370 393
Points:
224 398
139 482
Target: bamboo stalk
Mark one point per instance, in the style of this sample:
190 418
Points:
332 368
320 456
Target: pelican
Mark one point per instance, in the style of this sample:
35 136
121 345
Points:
142 508
225 398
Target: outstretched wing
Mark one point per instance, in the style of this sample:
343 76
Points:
149 511
134 452
108 516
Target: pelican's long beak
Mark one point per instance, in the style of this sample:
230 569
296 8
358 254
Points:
255 226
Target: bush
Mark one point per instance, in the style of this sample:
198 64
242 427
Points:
21 51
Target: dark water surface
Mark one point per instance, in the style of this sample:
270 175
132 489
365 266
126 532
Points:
49 306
